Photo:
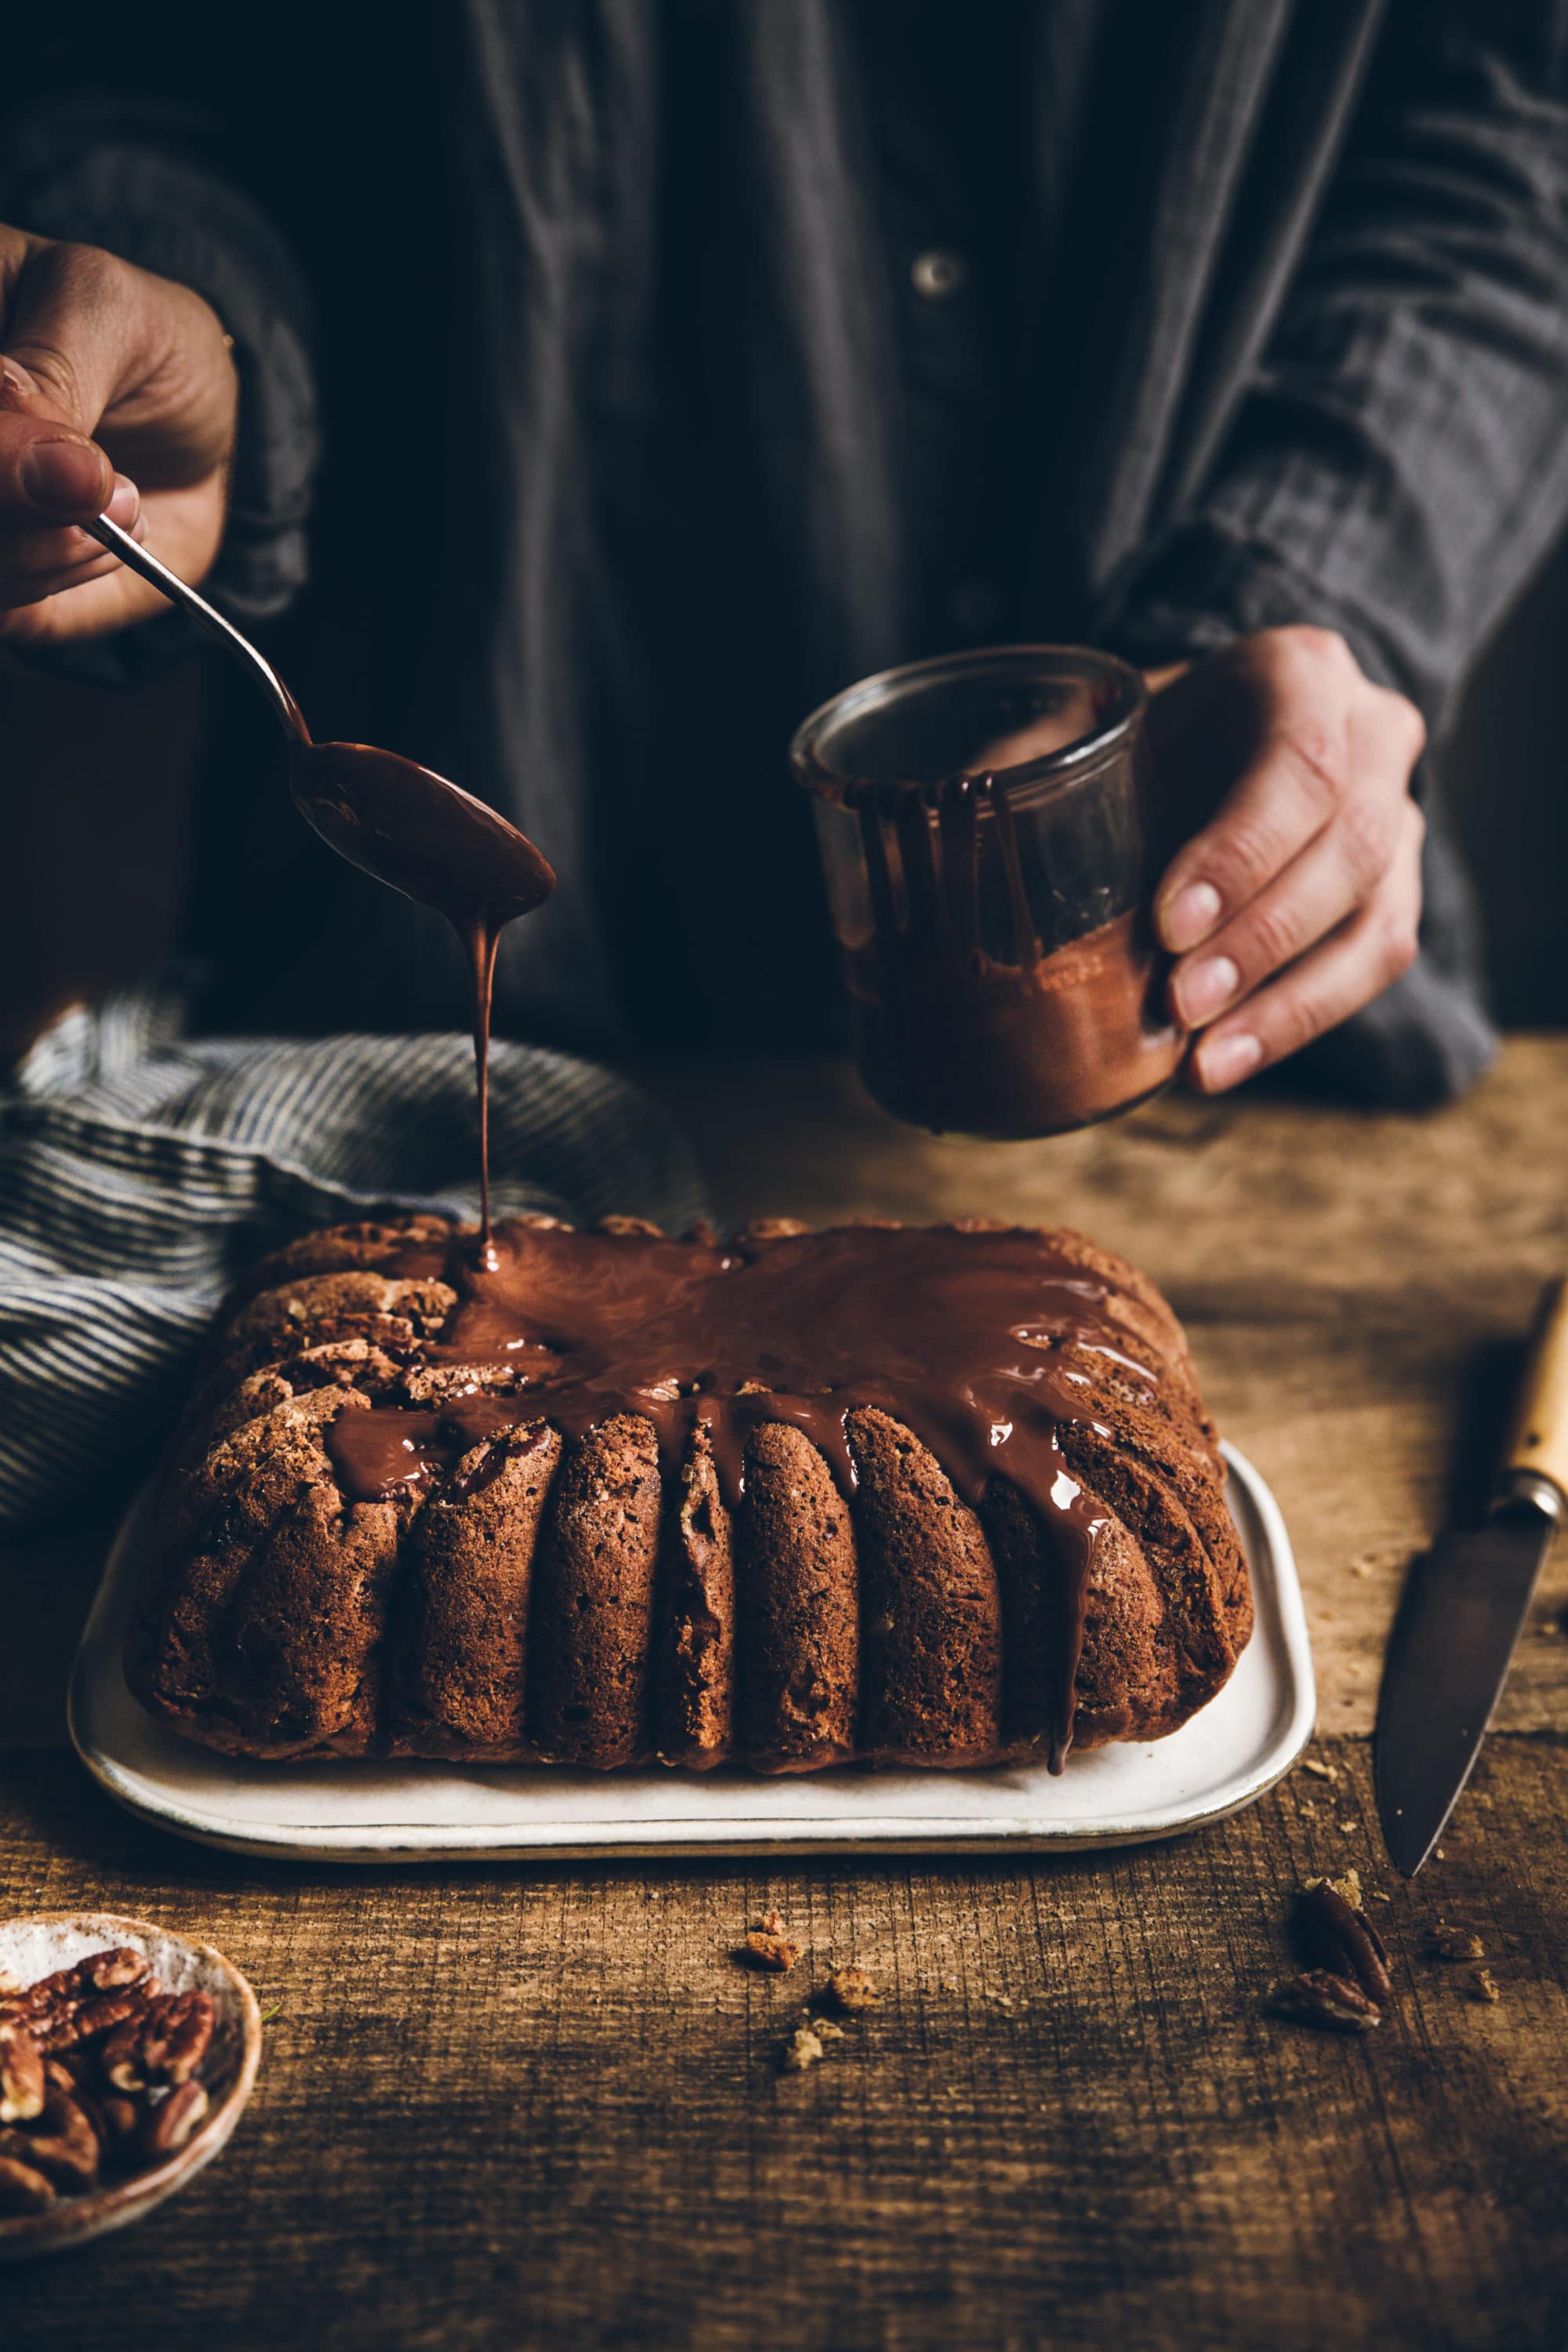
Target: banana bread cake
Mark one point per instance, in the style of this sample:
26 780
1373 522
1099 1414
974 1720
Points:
938 1496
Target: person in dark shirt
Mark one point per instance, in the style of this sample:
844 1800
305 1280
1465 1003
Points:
679 360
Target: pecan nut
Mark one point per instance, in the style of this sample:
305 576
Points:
167 2126
122 2121
98 2069
164 2043
1345 1940
109 1971
23 2188
1319 1997
63 2144
21 2073
99 2013
51 1996
62 2078
175 2037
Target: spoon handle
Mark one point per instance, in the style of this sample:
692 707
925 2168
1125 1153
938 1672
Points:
131 552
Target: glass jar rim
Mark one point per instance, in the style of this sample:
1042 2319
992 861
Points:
1085 663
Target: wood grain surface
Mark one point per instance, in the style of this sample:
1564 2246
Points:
541 2106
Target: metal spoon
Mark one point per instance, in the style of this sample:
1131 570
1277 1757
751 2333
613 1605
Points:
137 558
388 815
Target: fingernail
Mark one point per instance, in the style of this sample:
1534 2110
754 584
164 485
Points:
1189 916
65 475
16 386
126 505
1223 1061
1200 989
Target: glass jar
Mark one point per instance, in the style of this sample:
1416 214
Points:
984 831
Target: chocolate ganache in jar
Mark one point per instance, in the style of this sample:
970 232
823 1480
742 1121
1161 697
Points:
985 835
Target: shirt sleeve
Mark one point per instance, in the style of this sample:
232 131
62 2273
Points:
134 179
1400 463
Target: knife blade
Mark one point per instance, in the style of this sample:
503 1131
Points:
1462 1610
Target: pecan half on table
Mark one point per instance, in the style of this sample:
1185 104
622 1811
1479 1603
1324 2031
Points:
1319 1997
1351 1988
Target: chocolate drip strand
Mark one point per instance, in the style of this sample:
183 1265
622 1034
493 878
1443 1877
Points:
1026 940
411 829
482 938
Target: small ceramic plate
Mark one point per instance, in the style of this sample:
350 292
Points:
36 1946
1233 1749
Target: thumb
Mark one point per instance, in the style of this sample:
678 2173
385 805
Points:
66 330
47 469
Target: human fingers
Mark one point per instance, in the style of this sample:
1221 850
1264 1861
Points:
1356 962
178 524
1294 777
37 547
37 562
1338 871
48 474
73 321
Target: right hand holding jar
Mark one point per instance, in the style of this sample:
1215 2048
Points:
1047 888
1295 897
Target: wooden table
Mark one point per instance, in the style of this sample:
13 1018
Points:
518 2105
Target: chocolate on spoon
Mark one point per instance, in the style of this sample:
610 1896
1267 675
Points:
395 820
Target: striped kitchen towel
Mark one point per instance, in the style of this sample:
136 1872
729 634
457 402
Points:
141 1171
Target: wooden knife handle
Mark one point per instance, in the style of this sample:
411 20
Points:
1540 1440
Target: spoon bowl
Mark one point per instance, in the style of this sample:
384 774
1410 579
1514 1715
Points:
411 829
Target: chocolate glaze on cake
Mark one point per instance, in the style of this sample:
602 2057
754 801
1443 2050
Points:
945 1497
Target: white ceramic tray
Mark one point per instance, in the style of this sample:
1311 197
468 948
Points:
1239 1745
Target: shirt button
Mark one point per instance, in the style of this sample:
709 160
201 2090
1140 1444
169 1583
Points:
937 275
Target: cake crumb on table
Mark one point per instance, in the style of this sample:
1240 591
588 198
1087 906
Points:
850 1988
1450 1942
803 2049
768 1947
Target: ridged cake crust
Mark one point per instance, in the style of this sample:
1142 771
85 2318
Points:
570 1600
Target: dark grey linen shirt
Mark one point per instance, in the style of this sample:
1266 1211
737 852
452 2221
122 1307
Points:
680 361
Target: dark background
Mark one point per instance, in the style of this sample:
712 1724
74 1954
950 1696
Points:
1505 771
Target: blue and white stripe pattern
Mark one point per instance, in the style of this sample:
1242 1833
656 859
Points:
141 1171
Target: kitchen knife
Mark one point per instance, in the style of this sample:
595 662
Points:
1462 1610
